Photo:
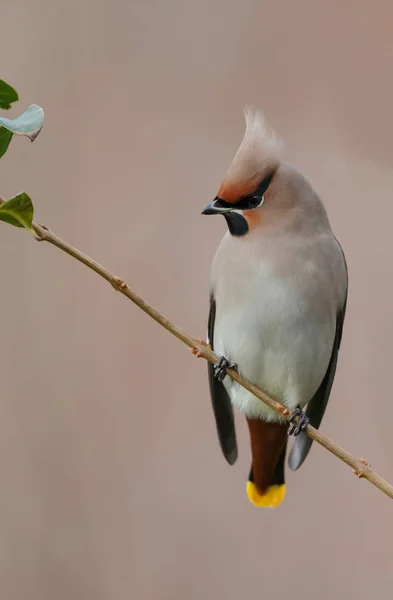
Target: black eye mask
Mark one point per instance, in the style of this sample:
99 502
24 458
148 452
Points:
251 200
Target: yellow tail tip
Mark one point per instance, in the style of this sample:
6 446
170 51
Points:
272 497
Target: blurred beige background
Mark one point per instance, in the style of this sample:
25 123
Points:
112 483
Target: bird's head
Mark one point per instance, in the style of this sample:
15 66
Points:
245 187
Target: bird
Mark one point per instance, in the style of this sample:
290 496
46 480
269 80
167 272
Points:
278 296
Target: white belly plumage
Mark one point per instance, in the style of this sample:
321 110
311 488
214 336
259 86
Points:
279 341
276 307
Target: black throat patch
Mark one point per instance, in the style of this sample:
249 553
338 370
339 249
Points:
237 224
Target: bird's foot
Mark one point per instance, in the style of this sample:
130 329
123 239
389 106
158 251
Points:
296 428
221 366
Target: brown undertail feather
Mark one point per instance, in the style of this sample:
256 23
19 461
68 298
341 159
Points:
266 483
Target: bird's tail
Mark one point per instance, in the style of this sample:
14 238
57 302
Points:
266 482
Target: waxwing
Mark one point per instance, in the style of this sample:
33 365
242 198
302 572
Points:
277 304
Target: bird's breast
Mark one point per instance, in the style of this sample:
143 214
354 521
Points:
276 328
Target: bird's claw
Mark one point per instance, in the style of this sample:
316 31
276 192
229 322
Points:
296 428
221 366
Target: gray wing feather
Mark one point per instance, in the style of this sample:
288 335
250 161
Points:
222 405
317 405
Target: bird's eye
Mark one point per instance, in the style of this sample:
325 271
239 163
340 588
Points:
255 201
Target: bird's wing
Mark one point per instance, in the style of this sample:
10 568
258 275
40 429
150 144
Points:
317 405
222 406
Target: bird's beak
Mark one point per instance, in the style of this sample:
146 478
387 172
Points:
215 208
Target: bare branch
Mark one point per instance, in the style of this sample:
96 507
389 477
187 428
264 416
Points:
200 349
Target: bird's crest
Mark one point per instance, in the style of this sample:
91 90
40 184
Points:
258 155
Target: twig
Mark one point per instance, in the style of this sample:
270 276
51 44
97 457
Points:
360 467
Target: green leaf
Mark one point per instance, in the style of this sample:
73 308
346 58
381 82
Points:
5 138
18 211
28 123
7 95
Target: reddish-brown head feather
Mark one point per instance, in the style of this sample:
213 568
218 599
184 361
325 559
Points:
253 218
257 156
267 442
236 190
